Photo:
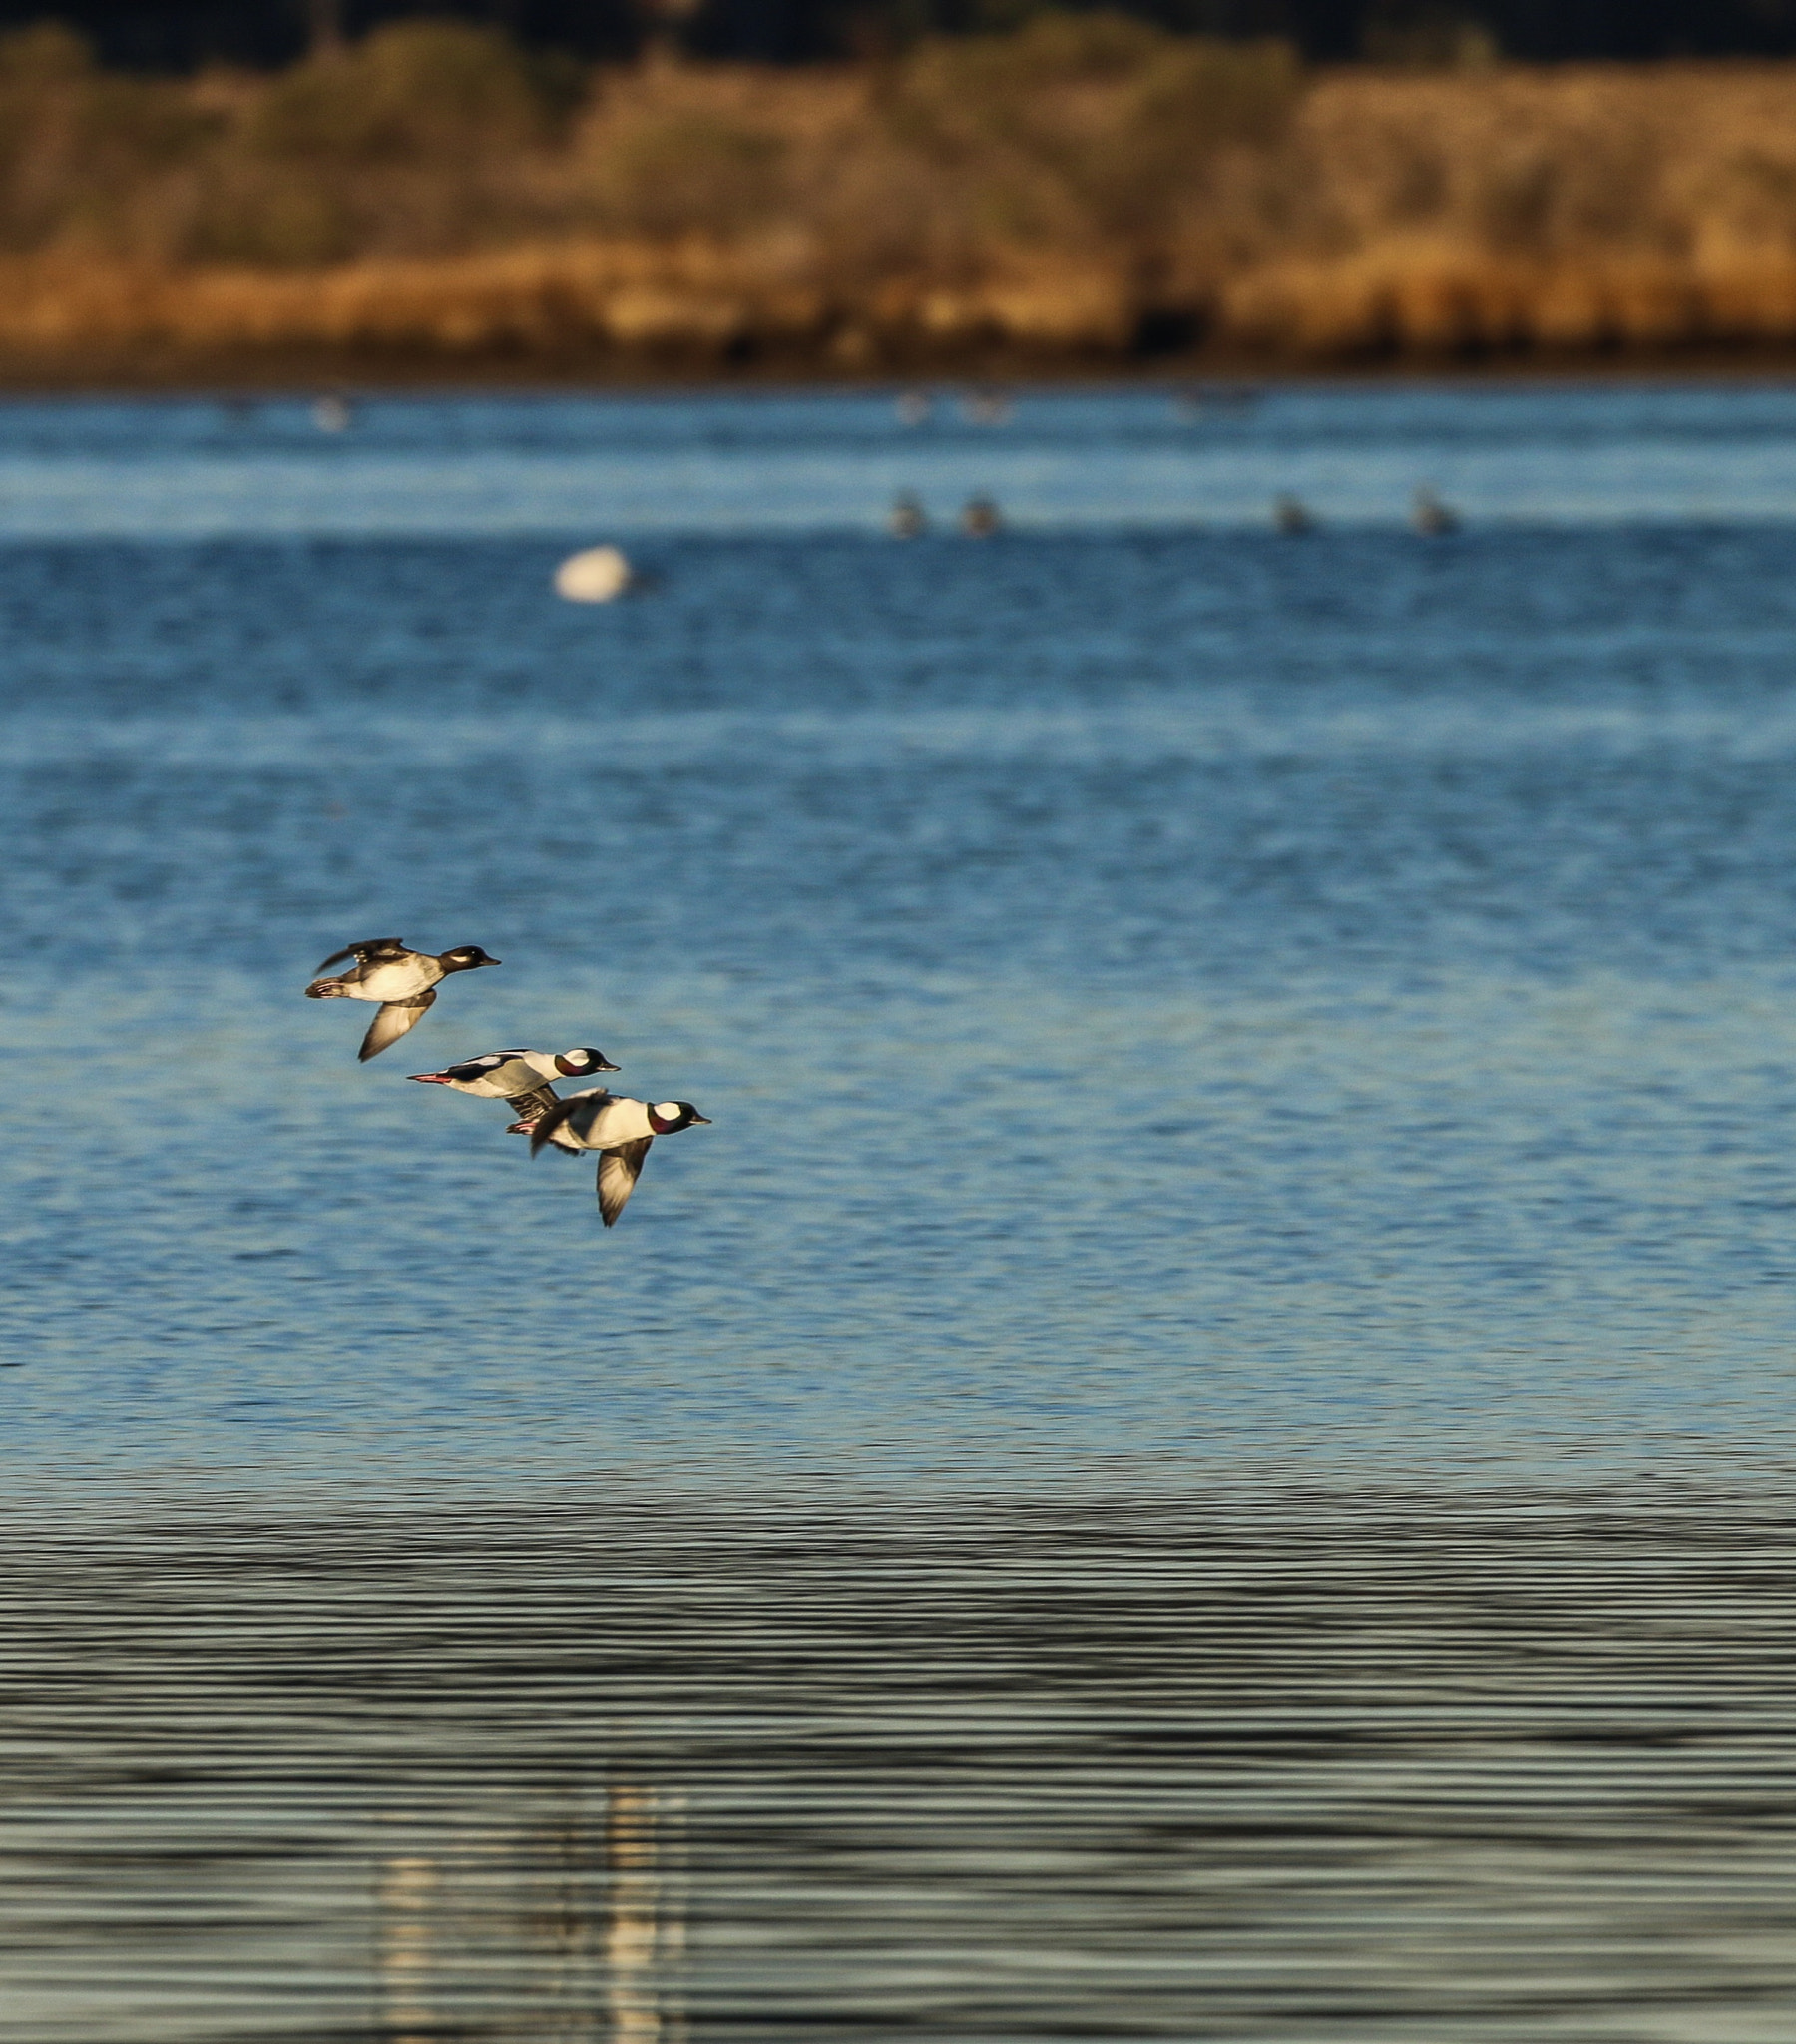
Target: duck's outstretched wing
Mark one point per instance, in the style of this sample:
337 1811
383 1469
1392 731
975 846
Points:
392 1020
526 1106
619 1171
369 947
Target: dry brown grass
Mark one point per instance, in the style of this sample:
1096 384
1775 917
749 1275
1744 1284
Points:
433 194
1514 208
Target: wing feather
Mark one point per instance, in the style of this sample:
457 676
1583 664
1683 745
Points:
526 1106
391 1020
619 1171
477 1068
369 947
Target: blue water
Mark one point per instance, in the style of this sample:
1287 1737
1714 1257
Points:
1170 999
1070 462
1203 1447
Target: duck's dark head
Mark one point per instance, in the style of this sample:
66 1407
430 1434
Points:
465 957
665 1116
572 1063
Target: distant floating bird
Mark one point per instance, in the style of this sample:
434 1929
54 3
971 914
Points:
620 1130
1192 405
981 518
986 408
1431 517
907 519
913 407
333 414
403 982
596 575
523 1079
1291 515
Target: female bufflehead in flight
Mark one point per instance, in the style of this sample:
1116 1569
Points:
403 982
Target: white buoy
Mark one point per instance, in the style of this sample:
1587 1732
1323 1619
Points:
333 414
594 575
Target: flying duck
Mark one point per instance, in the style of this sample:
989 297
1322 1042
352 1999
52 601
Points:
620 1130
403 982
523 1079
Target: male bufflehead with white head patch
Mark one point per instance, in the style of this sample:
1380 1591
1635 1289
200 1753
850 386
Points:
620 1130
523 1079
403 982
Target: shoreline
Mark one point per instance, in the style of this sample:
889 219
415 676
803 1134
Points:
228 373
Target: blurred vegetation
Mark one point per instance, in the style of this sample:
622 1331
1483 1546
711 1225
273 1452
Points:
1090 121
1075 183
431 137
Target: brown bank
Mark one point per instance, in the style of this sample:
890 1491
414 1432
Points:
1087 192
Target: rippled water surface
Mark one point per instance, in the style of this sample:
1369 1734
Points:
1203 1447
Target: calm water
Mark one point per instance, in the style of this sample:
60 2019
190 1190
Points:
1204 1447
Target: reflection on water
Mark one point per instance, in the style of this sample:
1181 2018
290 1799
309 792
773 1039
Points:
1271 1766
404 1898
645 1929
586 1912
